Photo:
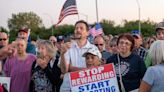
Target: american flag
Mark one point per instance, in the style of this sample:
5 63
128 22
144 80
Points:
69 8
96 30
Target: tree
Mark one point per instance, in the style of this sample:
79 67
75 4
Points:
147 27
3 30
108 26
24 19
64 30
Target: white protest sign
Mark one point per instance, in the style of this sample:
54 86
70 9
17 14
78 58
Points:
95 79
5 81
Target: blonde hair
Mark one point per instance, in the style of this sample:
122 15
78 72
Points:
157 52
18 39
50 48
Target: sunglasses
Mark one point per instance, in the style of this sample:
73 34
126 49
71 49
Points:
99 44
113 46
4 39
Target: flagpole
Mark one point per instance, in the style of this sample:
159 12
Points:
78 16
97 17
139 15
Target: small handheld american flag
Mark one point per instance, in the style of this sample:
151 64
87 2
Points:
96 30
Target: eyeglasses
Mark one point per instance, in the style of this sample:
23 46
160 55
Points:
4 39
126 43
99 44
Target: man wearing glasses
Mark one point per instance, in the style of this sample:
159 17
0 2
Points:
3 43
99 42
3 39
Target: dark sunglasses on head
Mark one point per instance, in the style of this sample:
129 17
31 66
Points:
4 39
99 44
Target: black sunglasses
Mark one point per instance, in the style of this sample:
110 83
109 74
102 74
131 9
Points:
4 39
99 44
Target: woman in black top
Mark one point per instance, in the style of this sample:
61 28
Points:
129 67
44 70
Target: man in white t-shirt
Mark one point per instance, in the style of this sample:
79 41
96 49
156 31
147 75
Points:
71 59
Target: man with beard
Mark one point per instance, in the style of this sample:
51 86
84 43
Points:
71 58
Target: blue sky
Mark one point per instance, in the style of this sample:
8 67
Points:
116 10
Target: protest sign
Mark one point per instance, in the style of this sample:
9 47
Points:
95 79
5 81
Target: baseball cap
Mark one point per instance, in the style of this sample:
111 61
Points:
136 33
23 30
159 26
60 38
93 51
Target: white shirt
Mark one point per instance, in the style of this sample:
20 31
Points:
74 54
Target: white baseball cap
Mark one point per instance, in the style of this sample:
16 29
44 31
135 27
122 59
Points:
159 26
93 51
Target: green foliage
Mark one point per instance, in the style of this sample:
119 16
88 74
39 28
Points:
4 30
64 30
34 22
12 36
24 19
147 27
108 26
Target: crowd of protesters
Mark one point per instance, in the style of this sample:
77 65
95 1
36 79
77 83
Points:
45 65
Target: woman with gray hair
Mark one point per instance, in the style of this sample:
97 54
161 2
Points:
153 78
44 72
